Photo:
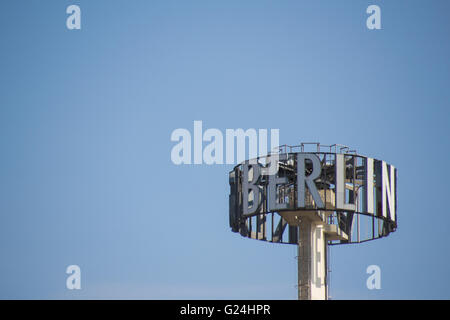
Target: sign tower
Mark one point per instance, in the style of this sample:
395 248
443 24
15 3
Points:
313 196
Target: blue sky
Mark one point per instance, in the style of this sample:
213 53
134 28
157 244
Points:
86 117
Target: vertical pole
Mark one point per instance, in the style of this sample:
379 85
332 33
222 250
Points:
304 260
312 261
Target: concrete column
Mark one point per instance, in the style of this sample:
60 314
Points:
312 264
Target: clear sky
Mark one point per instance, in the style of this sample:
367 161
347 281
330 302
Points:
86 117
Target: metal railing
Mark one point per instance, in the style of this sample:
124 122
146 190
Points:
338 148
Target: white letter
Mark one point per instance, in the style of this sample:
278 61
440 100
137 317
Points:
374 281
250 186
184 145
340 185
274 157
274 181
368 203
74 20
388 190
216 146
262 140
374 21
240 137
74 280
302 180
198 142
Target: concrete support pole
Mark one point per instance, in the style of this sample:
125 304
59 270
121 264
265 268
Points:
312 263
304 260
